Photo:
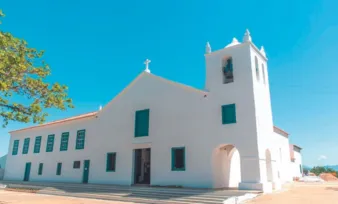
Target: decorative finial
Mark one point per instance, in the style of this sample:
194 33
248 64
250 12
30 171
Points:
208 48
147 65
100 108
247 36
234 42
263 51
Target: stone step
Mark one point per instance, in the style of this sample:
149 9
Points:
119 191
181 192
138 194
129 188
162 196
131 199
113 186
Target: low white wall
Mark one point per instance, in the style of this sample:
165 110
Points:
281 153
296 166
2 173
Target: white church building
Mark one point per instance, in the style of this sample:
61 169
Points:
162 133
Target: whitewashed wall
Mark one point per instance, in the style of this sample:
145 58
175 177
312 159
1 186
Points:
3 161
241 92
179 117
295 166
281 149
15 165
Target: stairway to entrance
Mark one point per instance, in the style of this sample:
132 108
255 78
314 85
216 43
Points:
137 194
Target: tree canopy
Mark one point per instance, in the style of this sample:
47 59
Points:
321 169
25 93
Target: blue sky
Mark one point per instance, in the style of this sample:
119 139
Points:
98 47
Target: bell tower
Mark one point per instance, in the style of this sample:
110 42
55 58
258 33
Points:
238 74
239 71
234 64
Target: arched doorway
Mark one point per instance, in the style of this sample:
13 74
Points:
226 167
268 166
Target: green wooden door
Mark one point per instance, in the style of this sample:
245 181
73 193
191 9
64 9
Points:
86 171
27 171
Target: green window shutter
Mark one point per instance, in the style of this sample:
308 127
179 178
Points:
50 143
25 146
64 141
142 123
111 162
178 159
58 169
40 169
15 147
37 144
80 139
229 114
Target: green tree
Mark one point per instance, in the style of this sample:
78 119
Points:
23 75
320 169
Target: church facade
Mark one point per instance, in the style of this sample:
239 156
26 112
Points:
163 133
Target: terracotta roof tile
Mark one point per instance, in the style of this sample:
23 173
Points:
86 115
280 131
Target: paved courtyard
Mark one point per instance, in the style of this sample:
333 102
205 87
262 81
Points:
307 193
11 197
292 194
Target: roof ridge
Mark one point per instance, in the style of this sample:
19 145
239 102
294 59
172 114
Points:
179 83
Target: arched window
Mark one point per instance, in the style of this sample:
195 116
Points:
263 71
257 68
227 70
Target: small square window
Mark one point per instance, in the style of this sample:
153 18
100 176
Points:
76 164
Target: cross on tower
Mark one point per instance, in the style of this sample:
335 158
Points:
147 62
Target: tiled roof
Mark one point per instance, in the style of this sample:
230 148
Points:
86 115
280 131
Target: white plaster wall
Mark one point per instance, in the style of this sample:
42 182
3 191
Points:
239 92
281 148
295 166
262 102
178 117
15 165
3 161
221 170
265 134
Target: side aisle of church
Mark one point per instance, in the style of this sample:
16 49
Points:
160 132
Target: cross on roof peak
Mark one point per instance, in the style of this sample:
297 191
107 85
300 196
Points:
147 62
